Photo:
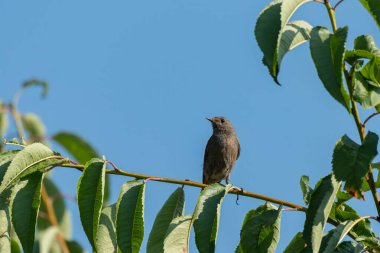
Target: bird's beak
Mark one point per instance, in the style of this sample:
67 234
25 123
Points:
210 120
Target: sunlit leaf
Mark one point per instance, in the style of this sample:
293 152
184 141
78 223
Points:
177 237
173 208
106 237
35 157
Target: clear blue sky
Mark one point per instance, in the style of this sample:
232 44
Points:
138 78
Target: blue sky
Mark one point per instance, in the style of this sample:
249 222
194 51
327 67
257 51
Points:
137 79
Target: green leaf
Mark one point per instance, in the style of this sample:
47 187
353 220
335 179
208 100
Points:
5 223
364 93
36 82
5 160
261 229
173 208
33 124
74 247
306 189
351 161
35 157
294 34
15 247
332 239
371 71
130 216
26 199
349 247
321 202
106 237
5 219
206 216
327 51
372 6
80 149
344 213
366 43
177 237
90 192
61 212
269 29
296 245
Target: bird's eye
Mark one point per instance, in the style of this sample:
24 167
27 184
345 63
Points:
222 120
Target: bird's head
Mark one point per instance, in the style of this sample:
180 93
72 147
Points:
221 124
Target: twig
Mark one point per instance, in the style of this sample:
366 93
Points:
337 4
369 117
235 191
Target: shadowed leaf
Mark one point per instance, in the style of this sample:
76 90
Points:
327 51
90 192
206 216
351 161
130 216
261 229
26 199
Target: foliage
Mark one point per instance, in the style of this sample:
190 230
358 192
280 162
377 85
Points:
34 215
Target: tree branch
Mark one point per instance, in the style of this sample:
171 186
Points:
53 218
235 191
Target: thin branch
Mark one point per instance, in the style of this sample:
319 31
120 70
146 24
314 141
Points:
370 117
50 213
337 4
235 190
17 119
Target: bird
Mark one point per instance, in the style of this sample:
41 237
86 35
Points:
222 151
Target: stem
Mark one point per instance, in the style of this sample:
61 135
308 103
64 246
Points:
331 13
53 218
370 117
17 120
354 110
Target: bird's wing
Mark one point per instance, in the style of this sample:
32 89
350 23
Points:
238 153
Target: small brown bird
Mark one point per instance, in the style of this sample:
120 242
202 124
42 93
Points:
222 150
